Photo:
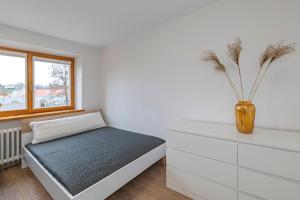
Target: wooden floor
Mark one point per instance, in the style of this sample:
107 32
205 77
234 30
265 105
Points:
21 184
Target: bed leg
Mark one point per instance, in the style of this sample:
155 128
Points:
163 162
23 164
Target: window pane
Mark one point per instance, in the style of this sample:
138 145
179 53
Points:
12 82
51 83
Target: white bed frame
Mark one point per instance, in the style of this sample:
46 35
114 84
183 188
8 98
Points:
99 190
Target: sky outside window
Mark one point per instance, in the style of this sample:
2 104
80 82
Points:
12 83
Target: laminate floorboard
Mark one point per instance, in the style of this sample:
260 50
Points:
21 184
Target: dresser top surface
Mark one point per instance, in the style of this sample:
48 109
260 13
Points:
281 139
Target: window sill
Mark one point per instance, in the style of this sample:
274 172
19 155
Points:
41 114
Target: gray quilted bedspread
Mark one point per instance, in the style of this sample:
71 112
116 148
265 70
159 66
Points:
81 160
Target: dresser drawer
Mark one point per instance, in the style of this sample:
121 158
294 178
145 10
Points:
209 147
204 167
246 197
267 187
273 161
198 186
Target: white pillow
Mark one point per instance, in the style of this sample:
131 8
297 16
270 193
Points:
52 129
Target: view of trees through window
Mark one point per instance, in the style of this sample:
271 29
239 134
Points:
51 84
33 82
12 82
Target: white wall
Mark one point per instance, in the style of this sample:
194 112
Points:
153 80
87 62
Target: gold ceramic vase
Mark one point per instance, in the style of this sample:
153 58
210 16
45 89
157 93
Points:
245 116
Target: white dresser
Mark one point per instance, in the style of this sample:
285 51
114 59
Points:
209 161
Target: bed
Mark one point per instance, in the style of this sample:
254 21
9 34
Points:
92 164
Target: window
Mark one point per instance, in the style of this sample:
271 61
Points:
51 83
34 82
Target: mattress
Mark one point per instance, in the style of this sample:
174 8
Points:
81 160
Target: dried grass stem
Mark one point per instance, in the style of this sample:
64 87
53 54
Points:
272 53
210 56
234 52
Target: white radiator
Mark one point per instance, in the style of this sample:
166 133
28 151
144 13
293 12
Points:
10 146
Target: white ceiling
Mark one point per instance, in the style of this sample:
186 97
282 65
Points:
93 22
